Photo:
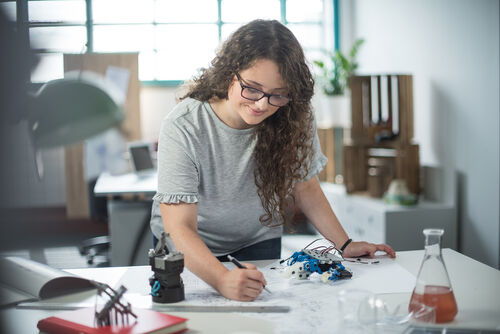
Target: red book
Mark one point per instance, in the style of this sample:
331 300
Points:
81 321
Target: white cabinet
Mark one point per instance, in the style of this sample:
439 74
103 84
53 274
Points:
371 219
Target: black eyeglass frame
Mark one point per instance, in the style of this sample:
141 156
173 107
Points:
264 94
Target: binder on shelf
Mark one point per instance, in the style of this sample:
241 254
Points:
374 114
384 100
395 104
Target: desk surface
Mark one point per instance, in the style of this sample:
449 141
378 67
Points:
475 286
130 183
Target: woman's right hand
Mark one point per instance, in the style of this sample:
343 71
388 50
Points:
242 284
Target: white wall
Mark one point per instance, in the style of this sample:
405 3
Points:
452 49
156 102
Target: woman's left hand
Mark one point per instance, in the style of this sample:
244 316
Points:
361 248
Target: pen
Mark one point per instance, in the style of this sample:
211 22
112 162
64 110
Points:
239 265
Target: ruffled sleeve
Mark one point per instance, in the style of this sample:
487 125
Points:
175 198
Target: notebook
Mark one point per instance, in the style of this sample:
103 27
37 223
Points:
81 321
24 280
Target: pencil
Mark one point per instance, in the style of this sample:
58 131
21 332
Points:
239 265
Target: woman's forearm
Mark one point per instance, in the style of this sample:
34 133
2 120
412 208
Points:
181 224
197 257
311 200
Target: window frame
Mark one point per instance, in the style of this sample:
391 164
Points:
23 26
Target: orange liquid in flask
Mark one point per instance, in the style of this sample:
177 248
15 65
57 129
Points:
441 298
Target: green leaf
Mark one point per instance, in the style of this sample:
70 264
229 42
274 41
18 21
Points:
355 48
319 63
335 78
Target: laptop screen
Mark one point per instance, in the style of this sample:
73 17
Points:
140 156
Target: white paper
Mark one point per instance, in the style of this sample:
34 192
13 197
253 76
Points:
118 78
312 304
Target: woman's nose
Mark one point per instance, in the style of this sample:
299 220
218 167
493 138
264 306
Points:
262 103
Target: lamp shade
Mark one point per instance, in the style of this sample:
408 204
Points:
69 110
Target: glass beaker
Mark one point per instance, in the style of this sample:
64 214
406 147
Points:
433 287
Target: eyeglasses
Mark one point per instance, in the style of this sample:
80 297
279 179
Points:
254 94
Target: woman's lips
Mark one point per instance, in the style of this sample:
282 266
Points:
256 112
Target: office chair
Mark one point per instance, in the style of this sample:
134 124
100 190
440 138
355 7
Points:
93 247
96 246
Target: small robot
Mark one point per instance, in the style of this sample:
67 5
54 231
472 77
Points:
324 260
115 312
167 264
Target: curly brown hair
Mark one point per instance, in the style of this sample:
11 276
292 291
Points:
284 140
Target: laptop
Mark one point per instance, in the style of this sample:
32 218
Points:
141 158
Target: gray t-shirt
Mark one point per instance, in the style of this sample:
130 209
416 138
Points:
202 160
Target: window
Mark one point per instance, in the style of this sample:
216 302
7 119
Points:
172 39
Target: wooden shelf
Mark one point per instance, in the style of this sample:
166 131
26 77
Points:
381 146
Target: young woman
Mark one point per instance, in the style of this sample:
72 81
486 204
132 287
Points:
237 155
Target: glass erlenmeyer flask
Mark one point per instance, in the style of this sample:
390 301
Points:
433 287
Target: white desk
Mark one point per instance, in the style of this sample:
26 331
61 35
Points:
125 184
476 288
129 210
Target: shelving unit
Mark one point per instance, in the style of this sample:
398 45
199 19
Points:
381 146
371 219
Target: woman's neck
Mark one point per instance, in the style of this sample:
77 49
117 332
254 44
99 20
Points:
222 111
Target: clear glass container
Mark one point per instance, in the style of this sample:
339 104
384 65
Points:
433 287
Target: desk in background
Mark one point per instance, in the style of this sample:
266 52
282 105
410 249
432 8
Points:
129 211
475 286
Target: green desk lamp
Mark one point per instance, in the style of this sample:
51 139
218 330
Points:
69 110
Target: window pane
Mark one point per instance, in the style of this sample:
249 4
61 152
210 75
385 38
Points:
309 35
182 11
123 11
176 66
63 39
9 9
312 55
245 11
185 48
304 11
228 29
147 65
124 38
187 37
49 67
57 11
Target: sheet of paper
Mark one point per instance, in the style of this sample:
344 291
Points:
314 304
384 277
302 305
108 275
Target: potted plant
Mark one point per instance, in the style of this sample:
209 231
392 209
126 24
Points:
333 80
